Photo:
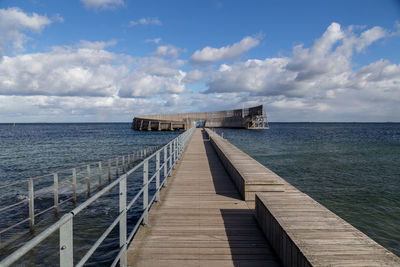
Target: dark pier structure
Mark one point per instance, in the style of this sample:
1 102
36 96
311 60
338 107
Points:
246 118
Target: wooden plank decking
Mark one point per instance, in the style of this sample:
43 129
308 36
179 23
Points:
202 220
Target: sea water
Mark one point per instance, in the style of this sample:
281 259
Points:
351 168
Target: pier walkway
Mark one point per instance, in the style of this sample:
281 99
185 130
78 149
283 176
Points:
201 220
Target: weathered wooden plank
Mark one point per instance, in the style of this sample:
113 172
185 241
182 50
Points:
202 220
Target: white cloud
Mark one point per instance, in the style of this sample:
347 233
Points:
211 55
370 36
97 45
102 4
194 76
57 17
146 21
167 51
319 79
155 40
61 72
14 23
87 83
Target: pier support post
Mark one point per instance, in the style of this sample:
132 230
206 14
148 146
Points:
129 161
31 196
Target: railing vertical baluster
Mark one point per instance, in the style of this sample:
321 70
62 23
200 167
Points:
100 173
74 185
122 221
158 176
67 244
170 156
116 167
109 170
133 159
174 153
165 166
145 192
123 164
31 196
55 191
129 161
88 179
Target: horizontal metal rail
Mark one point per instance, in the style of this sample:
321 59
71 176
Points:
171 151
55 184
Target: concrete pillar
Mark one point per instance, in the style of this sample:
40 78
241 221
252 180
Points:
171 128
141 125
159 126
149 126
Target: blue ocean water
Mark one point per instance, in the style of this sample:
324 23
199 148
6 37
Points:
351 168
30 150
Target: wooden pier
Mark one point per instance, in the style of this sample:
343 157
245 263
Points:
206 217
201 220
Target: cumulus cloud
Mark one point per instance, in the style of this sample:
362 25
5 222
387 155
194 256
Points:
194 76
102 4
14 24
99 45
146 21
167 51
61 72
211 55
319 78
88 70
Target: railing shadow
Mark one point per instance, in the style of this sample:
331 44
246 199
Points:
222 185
246 241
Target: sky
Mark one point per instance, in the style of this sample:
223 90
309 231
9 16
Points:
111 60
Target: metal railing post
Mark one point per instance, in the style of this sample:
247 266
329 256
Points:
74 185
100 173
55 190
116 167
109 170
158 176
31 196
146 192
66 244
88 179
122 221
170 156
174 153
165 166
123 164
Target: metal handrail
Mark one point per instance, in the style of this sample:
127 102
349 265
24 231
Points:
32 195
65 224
